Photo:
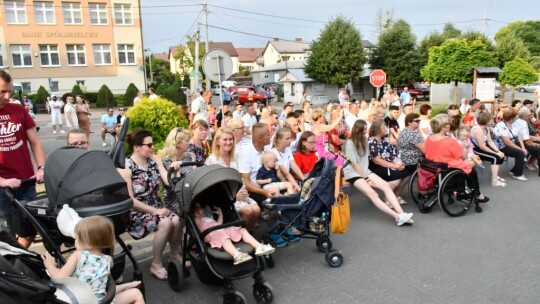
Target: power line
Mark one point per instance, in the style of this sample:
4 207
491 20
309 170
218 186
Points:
259 20
217 15
245 33
267 15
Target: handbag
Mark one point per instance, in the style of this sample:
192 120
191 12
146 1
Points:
427 173
340 211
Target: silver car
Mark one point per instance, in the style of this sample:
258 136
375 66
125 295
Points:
529 87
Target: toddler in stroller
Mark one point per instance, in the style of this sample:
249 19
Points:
224 238
88 263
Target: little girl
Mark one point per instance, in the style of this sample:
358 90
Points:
468 120
226 236
464 139
90 265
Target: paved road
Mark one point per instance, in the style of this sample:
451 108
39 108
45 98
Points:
491 257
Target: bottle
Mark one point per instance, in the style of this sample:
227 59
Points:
246 199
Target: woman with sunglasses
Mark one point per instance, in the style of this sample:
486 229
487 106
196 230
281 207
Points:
410 143
143 175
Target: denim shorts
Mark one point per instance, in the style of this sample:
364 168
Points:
12 220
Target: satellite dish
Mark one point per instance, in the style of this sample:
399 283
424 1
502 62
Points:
217 65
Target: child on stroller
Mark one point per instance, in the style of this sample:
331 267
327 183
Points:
269 178
223 238
90 265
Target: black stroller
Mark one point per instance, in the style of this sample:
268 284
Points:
215 185
88 182
309 211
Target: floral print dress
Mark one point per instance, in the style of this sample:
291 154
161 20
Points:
145 185
94 270
387 152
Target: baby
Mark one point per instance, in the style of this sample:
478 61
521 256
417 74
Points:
463 138
269 177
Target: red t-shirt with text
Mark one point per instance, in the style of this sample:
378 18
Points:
15 161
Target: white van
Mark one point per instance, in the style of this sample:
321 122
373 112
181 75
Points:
228 83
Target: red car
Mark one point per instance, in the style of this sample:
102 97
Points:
417 90
241 94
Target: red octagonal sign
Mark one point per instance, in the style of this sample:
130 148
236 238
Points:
377 78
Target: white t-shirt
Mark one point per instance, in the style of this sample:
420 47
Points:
58 103
249 121
294 143
343 98
520 127
237 115
69 111
241 145
401 121
249 161
284 158
424 124
350 119
198 107
152 96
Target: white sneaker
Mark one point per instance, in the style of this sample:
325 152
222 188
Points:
520 178
410 221
104 144
241 258
62 131
264 249
403 218
53 132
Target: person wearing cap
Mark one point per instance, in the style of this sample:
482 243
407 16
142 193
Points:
287 108
55 109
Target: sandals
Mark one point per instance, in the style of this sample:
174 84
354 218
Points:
161 274
500 179
401 201
499 184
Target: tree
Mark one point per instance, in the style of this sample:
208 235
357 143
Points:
527 31
396 54
161 70
472 35
450 32
77 91
436 39
131 93
337 56
510 46
517 72
41 95
453 61
105 97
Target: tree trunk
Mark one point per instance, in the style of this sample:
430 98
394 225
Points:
503 91
455 92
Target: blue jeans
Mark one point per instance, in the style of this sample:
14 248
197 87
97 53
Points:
22 226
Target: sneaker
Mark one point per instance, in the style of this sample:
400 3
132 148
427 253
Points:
401 201
53 132
264 249
289 235
62 131
410 221
520 178
279 242
403 218
241 258
104 144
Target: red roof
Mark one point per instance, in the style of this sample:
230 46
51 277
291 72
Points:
249 54
162 56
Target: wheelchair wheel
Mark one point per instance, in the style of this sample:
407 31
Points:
416 196
456 194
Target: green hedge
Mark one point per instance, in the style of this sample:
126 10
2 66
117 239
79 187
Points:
105 98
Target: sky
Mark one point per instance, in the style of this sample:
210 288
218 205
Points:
168 22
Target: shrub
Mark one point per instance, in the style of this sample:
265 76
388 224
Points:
78 91
105 98
438 109
41 96
158 116
131 93
92 97
120 100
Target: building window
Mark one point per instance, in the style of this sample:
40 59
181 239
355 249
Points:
126 54
49 55
53 86
21 55
72 12
122 13
98 13
102 54
26 87
76 54
44 12
15 12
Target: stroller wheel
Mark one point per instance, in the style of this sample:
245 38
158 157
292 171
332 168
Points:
324 244
263 293
234 297
176 275
269 260
334 259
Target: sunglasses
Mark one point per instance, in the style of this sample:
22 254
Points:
416 120
178 130
78 144
149 145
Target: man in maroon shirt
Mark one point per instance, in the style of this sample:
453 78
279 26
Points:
17 129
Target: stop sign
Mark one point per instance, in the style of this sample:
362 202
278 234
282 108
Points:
377 78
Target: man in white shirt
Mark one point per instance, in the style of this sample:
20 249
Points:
464 106
407 109
352 115
237 114
198 107
54 107
249 118
71 113
405 96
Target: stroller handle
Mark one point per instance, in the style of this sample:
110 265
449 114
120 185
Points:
172 181
9 191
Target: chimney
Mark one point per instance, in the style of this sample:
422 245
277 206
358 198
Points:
298 39
276 39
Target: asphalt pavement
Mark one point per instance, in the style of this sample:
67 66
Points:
488 257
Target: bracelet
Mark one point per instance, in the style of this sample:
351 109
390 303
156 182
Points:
41 167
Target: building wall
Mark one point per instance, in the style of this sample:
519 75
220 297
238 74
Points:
115 75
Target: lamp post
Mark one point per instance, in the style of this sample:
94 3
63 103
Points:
286 58
150 64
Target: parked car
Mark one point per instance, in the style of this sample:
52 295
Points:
228 83
216 89
417 90
529 87
240 94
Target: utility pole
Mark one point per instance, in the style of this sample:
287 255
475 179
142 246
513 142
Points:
206 42
150 64
484 24
196 59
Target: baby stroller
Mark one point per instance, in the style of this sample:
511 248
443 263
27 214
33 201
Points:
215 186
88 182
23 279
309 211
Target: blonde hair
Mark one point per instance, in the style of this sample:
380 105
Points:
95 232
215 147
280 134
175 136
316 114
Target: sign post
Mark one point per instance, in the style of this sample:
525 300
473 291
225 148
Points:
377 78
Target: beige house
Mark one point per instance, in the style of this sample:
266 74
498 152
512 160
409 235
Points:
277 50
177 64
57 44
250 59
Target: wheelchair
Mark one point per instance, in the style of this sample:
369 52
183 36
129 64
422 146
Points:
453 189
